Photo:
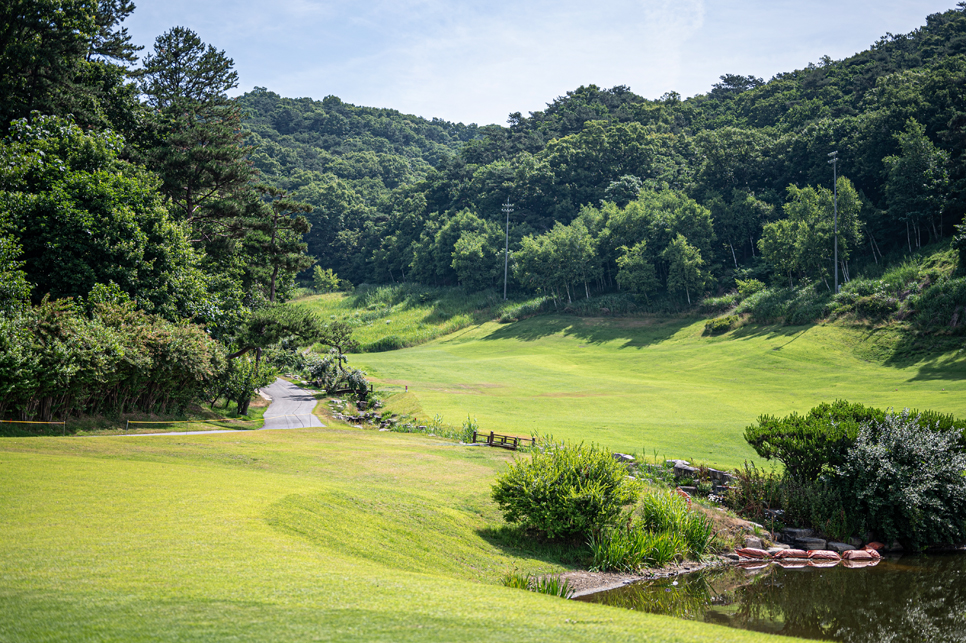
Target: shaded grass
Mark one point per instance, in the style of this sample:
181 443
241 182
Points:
316 534
391 317
656 385
197 418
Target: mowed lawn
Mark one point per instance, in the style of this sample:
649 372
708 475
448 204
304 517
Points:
656 386
302 535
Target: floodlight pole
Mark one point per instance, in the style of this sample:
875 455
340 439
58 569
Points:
507 209
835 190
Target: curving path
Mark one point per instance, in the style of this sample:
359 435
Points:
291 407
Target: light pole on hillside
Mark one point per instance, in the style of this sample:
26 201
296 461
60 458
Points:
507 209
835 190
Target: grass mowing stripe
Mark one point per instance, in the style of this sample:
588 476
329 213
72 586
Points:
276 536
655 385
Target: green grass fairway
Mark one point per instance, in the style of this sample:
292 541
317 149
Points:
303 535
644 385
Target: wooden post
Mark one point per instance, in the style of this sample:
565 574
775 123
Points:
490 441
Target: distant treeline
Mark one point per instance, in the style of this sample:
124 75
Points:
750 158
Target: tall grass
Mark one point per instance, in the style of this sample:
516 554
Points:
551 585
660 529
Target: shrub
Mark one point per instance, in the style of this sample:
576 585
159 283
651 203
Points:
748 287
564 490
820 440
721 324
906 479
665 511
812 443
720 304
754 492
876 306
943 305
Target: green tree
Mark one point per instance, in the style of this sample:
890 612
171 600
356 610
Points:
275 241
918 183
84 217
636 270
195 141
684 267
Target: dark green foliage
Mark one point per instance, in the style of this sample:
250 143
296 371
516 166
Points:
85 217
564 490
942 306
720 325
57 361
820 439
812 443
904 476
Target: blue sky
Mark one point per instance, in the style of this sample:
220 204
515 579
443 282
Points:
475 61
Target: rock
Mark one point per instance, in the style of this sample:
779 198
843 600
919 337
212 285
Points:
855 542
689 490
795 534
684 471
809 544
721 476
623 458
381 430
774 549
754 542
839 547
895 546
674 463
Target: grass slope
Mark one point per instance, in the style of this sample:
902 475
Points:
649 385
320 534
391 317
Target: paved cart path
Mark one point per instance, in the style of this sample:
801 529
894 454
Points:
291 408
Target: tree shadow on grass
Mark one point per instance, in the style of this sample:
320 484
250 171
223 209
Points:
636 332
936 357
521 543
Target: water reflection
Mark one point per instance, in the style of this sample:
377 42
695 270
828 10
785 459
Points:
913 599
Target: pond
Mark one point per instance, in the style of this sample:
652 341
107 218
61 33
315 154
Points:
909 599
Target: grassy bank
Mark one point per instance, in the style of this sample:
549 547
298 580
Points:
322 534
390 317
659 385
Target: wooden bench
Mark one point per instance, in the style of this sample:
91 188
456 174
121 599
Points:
506 441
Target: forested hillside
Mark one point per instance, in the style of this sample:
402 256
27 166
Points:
343 160
667 197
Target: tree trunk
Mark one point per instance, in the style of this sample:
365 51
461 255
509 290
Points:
733 253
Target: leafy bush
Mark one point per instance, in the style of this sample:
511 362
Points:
754 492
564 490
721 324
748 287
905 477
812 443
720 304
820 440
56 361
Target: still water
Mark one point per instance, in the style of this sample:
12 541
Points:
912 599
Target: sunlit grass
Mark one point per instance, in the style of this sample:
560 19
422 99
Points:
658 386
316 534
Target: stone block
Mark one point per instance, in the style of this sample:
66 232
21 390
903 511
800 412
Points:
795 534
809 544
838 547
754 542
